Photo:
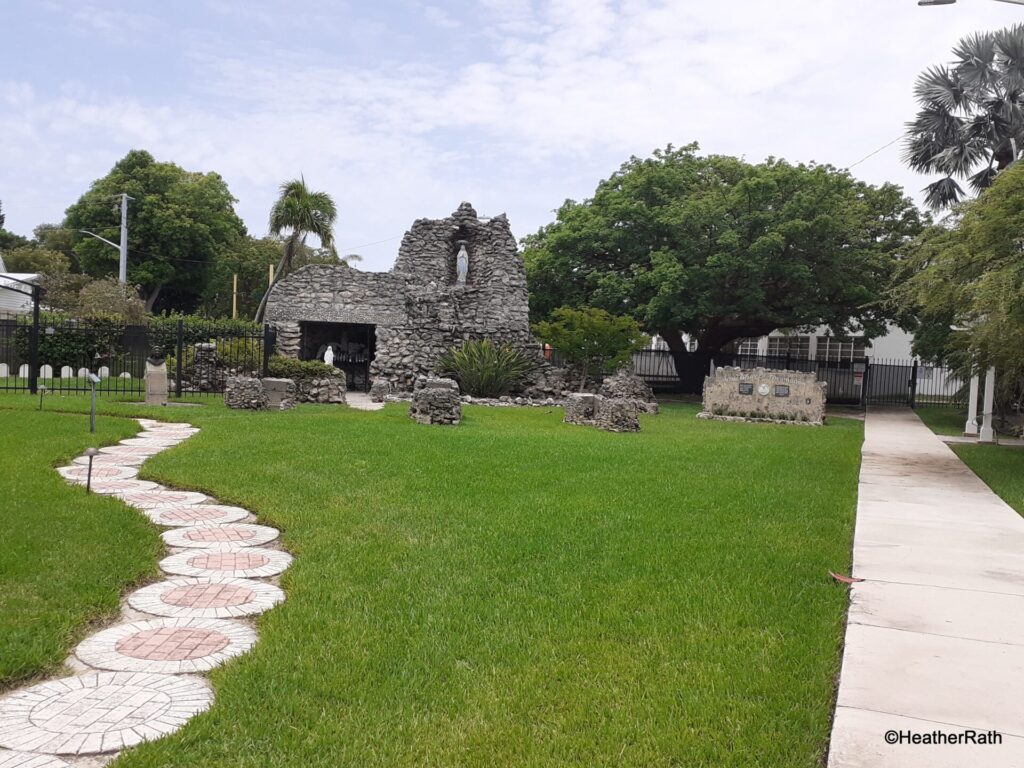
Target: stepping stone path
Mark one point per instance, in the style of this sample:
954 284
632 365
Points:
139 679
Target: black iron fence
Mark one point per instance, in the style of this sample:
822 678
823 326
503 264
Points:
62 353
867 381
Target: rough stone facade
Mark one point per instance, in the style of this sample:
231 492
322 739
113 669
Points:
436 402
329 389
626 385
764 395
245 392
609 414
420 308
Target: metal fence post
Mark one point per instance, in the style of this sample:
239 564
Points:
913 385
33 344
269 342
179 353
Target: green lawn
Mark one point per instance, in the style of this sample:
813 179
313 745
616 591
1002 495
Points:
65 555
1001 467
519 592
943 421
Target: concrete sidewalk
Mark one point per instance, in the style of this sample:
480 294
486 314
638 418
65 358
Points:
935 639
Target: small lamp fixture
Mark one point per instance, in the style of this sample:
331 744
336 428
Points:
42 392
90 452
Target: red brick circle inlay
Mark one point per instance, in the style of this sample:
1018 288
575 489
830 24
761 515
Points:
172 644
229 561
219 534
193 514
208 596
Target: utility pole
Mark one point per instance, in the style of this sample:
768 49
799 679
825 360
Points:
234 296
122 270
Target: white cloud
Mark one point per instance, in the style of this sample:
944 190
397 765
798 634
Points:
537 103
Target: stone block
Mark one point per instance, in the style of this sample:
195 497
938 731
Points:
609 414
626 385
764 395
156 382
280 393
437 402
245 392
328 389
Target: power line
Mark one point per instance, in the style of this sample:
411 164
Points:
872 154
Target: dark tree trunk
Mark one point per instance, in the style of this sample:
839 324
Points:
681 356
153 296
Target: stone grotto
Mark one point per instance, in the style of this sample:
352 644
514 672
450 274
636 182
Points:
456 278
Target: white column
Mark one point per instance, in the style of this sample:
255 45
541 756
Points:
988 435
971 427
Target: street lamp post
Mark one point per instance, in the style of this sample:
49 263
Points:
122 248
951 2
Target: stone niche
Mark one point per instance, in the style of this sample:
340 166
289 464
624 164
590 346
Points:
424 306
609 414
436 402
790 397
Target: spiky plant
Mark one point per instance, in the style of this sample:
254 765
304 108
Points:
486 369
971 122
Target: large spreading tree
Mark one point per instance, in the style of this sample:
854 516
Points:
720 249
178 222
970 125
964 283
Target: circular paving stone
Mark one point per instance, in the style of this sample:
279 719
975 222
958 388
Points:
212 598
197 514
109 460
205 536
246 562
131 450
164 435
122 486
154 442
162 498
99 712
10 759
79 474
168 646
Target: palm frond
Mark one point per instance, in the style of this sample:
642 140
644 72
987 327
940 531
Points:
940 86
975 62
920 152
942 193
960 159
983 179
1010 56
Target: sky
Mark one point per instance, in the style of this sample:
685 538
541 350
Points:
401 109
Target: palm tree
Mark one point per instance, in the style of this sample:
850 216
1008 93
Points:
298 213
971 122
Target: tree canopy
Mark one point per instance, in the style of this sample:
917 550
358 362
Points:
591 340
719 249
964 283
9 240
178 222
970 125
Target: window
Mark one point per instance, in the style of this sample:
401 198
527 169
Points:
840 348
796 347
747 347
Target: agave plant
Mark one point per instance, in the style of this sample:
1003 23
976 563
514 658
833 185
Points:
971 122
486 369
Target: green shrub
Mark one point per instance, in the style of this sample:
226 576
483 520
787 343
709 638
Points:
281 367
486 369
